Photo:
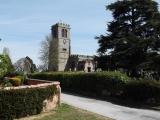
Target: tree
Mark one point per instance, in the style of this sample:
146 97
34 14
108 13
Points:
6 66
25 65
6 51
44 52
133 36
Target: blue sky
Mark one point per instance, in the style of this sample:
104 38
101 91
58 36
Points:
25 23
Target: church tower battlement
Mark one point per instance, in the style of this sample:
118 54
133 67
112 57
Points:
60 49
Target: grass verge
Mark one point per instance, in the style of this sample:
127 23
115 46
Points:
66 112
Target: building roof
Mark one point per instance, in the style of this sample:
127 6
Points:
82 57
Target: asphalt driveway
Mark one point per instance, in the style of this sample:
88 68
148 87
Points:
109 109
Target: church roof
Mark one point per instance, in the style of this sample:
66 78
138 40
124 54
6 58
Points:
82 57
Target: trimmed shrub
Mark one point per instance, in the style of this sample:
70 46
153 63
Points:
95 84
143 91
104 84
23 102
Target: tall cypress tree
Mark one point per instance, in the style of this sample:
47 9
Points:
133 36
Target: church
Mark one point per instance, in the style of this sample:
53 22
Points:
60 57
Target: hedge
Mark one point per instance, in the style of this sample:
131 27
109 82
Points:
95 84
143 91
104 84
23 102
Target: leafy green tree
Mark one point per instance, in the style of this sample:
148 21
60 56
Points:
133 37
5 65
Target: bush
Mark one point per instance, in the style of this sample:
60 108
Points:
97 84
13 74
23 102
143 91
6 83
104 84
13 80
16 81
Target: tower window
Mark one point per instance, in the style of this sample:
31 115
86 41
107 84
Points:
66 33
63 33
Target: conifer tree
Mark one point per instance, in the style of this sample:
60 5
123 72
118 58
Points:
133 37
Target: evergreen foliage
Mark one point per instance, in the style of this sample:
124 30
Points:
143 91
106 85
5 65
23 102
133 38
98 84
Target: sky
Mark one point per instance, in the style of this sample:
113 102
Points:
25 23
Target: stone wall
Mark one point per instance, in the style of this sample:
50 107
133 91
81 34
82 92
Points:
59 47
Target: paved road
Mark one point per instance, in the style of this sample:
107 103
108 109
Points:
110 110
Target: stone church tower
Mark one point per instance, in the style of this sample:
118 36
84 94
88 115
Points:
59 52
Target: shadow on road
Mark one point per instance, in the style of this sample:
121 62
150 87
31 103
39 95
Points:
117 100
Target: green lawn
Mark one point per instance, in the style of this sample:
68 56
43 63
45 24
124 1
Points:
66 112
